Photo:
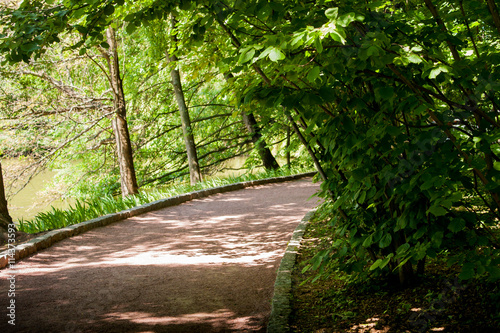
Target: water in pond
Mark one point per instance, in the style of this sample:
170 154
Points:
34 197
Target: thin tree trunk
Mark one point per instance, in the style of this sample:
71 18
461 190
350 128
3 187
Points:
253 128
494 13
194 166
5 218
406 273
288 157
308 147
265 154
120 127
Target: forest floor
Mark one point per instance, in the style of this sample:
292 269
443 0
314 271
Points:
207 265
438 303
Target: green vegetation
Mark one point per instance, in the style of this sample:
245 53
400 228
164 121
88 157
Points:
91 208
337 302
396 103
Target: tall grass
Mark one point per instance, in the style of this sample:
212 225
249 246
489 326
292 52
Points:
84 210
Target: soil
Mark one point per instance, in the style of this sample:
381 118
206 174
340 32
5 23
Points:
437 302
207 265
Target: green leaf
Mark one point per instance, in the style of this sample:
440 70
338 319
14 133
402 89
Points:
385 241
420 232
362 197
276 55
368 241
348 124
437 238
427 184
456 225
313 74
413 58
264 12
403 248
338 35
318 45
130 28
298 40
384 93
467 271
494 272
332 13
431 253
30 47
436 71
437 211
109 9
381 263
372 51
386 261
247 55
376 264
393 130
358 174
346 19
129 18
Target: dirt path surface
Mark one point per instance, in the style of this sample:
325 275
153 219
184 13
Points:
207 265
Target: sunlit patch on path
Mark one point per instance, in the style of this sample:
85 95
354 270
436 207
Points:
204 266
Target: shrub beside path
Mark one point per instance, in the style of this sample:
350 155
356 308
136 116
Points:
207 265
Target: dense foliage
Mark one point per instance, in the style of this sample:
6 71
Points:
397 103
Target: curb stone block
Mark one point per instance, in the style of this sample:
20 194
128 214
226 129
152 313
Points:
47 240
280 305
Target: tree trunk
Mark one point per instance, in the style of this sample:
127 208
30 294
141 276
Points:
5 218
253 128
288 157
265 154
309 149
194 166
120 127
405 272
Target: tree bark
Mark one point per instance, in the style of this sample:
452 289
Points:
308 147
5 218
265 154
494 13
288 157
128 178
253 128
194 166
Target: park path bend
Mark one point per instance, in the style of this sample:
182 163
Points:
207 265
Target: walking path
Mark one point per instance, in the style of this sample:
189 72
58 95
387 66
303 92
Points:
207 265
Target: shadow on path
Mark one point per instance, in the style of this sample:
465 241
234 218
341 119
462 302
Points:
207 265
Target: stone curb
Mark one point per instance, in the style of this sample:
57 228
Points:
280 304
42 242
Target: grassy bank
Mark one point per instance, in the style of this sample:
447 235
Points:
84 210
438 302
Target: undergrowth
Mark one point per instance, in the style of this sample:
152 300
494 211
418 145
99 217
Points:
334 301
88 209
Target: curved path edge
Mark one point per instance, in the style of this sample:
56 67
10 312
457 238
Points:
42 242
280 304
